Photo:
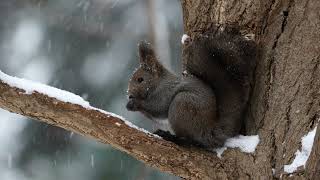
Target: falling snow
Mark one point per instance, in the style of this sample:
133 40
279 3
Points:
71 135
10 160
92 160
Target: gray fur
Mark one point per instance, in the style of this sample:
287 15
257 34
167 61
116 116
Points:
206 107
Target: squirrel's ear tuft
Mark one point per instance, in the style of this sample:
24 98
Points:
146 52
148 58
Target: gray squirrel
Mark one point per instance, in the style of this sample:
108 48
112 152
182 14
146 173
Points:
205 106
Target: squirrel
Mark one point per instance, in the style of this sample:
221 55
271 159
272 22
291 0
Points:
205 106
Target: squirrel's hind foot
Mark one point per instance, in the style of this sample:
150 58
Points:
166 135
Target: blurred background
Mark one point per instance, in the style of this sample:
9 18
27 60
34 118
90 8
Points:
88 47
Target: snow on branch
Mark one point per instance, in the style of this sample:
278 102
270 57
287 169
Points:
71 112
30 87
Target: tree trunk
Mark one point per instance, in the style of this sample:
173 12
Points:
285 103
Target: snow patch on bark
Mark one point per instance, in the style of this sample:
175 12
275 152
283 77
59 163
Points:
303 155
184 38
246 144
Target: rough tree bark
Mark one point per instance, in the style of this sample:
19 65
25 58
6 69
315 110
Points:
285 102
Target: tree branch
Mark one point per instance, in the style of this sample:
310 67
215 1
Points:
189 163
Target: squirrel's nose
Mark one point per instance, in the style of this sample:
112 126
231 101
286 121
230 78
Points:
130 105
130 97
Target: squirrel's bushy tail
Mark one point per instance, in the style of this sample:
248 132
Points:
225 60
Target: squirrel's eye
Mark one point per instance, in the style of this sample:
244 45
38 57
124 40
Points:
140 80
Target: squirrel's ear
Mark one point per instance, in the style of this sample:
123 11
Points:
146 52
148 57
